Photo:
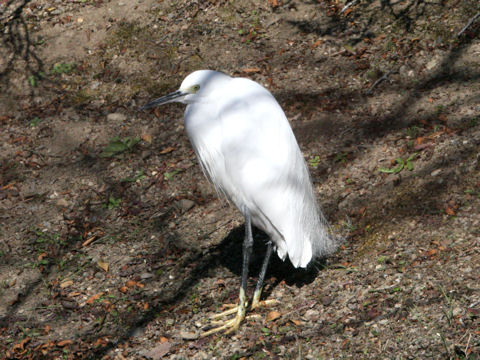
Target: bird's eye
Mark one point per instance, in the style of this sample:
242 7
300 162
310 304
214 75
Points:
195 88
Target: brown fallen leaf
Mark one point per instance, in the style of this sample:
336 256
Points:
102 265
296 322
273 315
316 43
252 70
66 283
167 150
147 138
21 345
91 299
450 211
47 329
64 343
132 283
123 289
89 240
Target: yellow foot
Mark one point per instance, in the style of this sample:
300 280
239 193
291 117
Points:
228 326
263 303
232 325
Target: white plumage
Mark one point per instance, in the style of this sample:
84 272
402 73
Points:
247 149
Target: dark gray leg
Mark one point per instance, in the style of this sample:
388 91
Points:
233 324
247 251
261 276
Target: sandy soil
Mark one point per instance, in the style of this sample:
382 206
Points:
113 245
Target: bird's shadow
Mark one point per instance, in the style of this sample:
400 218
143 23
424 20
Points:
230 255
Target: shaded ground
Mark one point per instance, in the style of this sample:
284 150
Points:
113 245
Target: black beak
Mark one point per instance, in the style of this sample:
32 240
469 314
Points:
163 100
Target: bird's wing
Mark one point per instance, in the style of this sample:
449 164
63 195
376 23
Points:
264 166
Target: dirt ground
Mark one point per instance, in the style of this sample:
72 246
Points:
115 246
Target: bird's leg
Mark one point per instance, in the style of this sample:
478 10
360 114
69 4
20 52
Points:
233 324
261 278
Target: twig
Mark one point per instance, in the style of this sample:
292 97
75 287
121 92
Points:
350 4
375 84
470 22
468 344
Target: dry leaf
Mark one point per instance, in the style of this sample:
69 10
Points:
91 299
273 315
89 240
167 150
123 289
21 344
132 283
66 283
102 265
64 343
420 140
147 138
47 329
252 70
41 256
450 211
431 252
296 322
316 43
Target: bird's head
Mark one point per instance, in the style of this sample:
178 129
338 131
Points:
194 87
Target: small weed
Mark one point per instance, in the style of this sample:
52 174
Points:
35 121
413 131
35 78
266 331
117 146
62 68
341 158
401 164
449 312
382 259
112 203
169 175
314 161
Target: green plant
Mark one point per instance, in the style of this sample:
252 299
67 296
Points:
314 161
413 131
35 121
62 68
112 203
117 146
341 158
35 78
401 164
169 175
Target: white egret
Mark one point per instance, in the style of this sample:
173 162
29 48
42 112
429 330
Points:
247 149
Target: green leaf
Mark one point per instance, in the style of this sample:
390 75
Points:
315 161
62 68
35 121
117 146
32 80
396 169
169 175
